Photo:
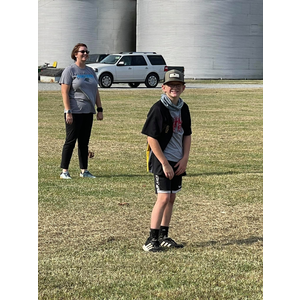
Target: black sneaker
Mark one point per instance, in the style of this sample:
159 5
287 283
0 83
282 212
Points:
152 245
168 242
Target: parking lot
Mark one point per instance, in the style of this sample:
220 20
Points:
45 86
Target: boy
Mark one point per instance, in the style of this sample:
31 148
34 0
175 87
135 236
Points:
168 130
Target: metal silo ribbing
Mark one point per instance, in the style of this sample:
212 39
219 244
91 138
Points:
105 26
211 39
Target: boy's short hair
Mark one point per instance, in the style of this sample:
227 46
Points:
174 75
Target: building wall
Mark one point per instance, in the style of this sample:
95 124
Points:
105 26
210 38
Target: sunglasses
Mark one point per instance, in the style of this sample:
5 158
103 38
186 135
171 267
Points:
84 51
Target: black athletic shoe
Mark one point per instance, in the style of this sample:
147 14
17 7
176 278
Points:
168 242
152 245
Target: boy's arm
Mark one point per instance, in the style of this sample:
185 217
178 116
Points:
155 147
182 164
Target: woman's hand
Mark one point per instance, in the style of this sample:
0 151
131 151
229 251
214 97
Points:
69 118
100 116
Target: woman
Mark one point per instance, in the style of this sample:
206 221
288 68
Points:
79 88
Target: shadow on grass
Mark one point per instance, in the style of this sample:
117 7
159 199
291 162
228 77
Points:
188 175
248 241
223 173
120 175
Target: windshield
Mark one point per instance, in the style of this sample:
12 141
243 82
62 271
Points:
92 58
111 59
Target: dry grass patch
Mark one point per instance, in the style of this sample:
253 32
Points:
90 246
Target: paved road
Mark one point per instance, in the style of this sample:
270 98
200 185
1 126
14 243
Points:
43 86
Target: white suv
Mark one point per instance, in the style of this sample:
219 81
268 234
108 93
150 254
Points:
132 68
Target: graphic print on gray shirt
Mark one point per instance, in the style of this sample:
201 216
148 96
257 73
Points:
83 88
174 149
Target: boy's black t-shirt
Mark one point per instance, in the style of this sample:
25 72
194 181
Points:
159 125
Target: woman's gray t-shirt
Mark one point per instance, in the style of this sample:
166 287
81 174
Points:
83 88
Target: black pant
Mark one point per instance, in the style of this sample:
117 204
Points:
79 130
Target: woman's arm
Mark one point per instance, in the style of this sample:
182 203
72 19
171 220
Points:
98 103
65 88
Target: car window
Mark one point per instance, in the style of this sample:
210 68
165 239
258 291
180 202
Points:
92 58
126 60
156 60
111 59
102 56
138 60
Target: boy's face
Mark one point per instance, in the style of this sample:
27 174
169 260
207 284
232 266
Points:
173 90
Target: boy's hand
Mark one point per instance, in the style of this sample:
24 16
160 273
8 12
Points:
168 170
182 164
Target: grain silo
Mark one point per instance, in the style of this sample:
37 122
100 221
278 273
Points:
105 26
210 38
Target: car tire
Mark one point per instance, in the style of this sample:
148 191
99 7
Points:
134 84
151 80
105 80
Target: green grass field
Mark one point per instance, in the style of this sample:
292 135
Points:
91 231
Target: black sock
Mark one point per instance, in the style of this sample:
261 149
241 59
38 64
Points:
154 234
163 231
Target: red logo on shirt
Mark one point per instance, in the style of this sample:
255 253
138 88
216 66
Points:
177 124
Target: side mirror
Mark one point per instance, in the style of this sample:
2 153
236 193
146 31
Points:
121 63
